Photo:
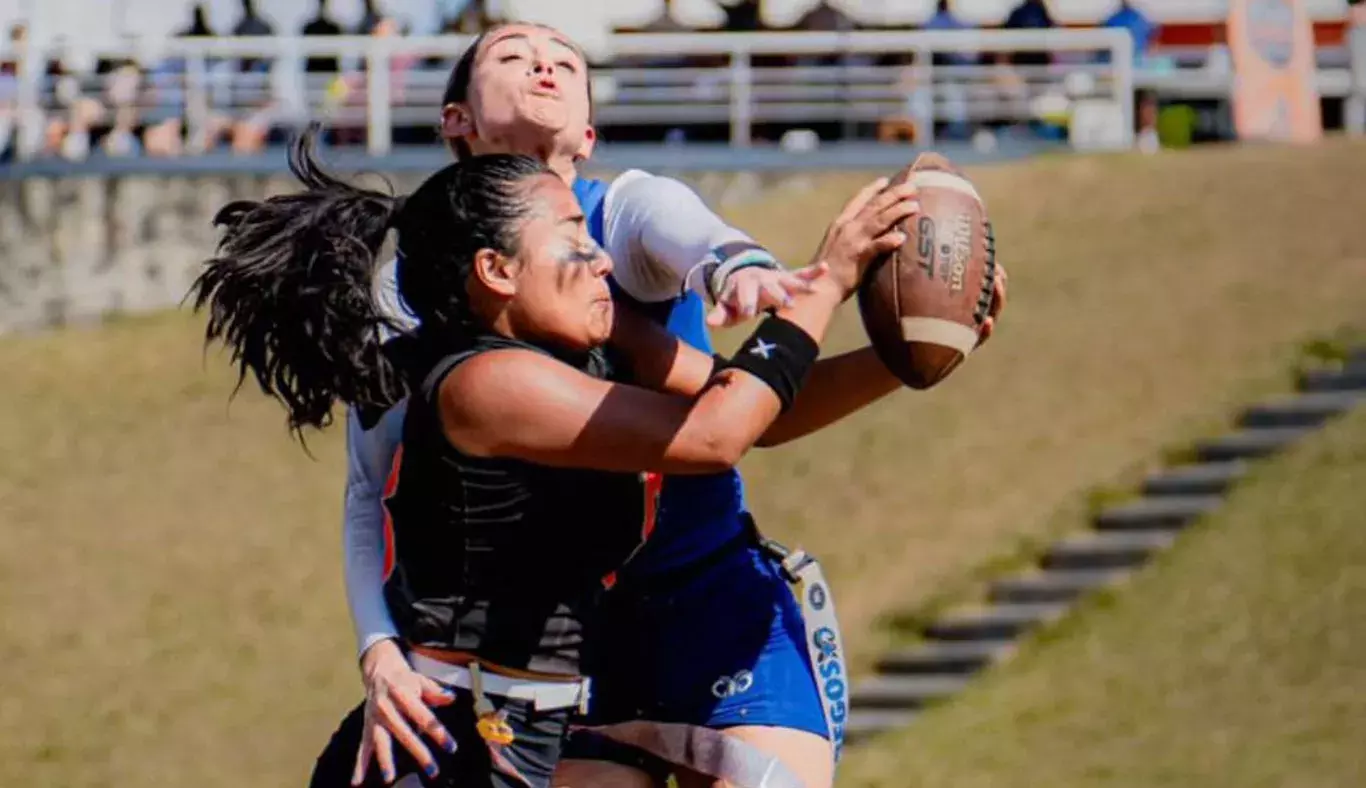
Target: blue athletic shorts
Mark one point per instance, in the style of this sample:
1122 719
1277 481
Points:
716 646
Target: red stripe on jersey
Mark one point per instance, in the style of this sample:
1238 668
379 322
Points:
390 487
654 485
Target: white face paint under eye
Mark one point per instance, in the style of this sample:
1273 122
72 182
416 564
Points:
587 253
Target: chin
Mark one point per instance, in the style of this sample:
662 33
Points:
600 323
547 118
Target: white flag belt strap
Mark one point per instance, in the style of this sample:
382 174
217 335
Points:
546 695
824 647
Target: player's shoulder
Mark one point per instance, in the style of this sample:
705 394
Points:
638 189
634 177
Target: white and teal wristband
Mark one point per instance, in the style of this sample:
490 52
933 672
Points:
725 260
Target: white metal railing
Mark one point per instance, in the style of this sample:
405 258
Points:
876 74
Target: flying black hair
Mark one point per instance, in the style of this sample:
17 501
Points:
291 293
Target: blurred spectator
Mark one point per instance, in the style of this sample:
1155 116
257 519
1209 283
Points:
199 24
742 16
1140 28
70 139
165 139
954 90
945 19
465 17
825 17
370 19
1030 15
9 91
122 89
322 25
251 24
122 139
666 22
254 91
18 34
353 90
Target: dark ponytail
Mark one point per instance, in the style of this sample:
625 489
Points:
290 292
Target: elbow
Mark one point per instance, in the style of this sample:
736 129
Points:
728 452
718 453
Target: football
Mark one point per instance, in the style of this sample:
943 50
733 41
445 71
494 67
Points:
923 304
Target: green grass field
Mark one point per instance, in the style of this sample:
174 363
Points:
1236 660
173 610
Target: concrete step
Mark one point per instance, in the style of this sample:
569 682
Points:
1209 478
1305 410
1053 587
945 657
1107 550
866 723
1166 512
1250 444
997 622
1351 377
905 692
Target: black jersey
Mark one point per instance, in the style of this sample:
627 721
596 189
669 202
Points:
501 557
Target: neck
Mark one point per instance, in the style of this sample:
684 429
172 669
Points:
563 166
562 163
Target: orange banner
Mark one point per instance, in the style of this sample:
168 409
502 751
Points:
1275 96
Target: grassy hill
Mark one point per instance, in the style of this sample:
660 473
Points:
171 586
1235 660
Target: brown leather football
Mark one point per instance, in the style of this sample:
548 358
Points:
924 304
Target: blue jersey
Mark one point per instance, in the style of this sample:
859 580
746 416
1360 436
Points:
697 514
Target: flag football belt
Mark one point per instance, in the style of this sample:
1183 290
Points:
543 694
824 646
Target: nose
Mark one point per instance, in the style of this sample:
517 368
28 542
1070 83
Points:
602 265
543 68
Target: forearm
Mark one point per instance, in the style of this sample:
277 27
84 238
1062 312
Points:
838 386
369 455
655 359
661 236
742 421
519 404
363 570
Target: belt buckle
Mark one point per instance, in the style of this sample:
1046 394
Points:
792 563
494 728
585 692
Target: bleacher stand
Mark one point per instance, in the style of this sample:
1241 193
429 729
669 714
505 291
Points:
108 86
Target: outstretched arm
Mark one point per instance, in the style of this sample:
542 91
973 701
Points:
522 404
838 387
665 241
842 385
518 403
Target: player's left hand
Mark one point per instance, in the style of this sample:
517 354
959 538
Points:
749 291
998 303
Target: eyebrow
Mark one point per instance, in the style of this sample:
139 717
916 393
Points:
509 37
566 45
525 37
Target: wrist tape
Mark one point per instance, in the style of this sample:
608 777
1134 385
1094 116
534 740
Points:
780 354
